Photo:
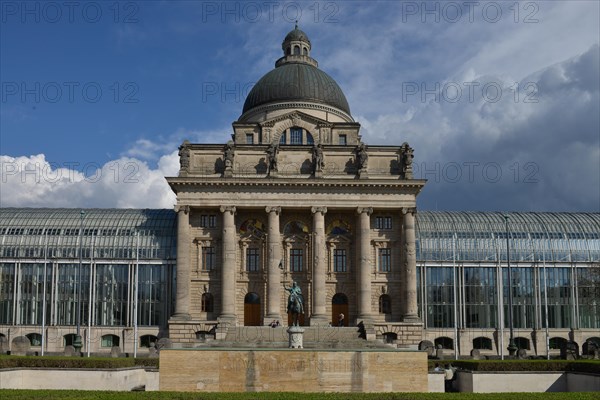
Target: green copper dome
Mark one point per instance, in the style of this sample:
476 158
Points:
296 77
296 82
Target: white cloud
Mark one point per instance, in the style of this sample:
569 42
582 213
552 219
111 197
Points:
123 183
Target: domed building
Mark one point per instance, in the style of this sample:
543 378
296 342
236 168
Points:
295 196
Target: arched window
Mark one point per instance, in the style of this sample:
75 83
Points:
309 138
482 343
385 304
282 139
595 340
207 302
445 342
296 135
338 227
295 228
69 339
389 337
147 340
522 343
296 50
557 343
304 51
339 298
35 339
110 340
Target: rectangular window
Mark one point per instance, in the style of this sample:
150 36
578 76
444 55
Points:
249 138
296 260
339 260
295 135
252 259
208 221
385 260
208 258
383 223
343 140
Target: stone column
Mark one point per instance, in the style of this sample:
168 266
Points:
410 266
182 301
273 272
319 308
363 275
228 269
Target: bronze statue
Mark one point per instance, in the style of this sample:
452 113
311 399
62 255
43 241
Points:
295 302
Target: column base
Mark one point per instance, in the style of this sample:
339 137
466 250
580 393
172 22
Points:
365 319
319 320
181 317
272 317
411 318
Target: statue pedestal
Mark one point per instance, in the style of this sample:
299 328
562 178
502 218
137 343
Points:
296 337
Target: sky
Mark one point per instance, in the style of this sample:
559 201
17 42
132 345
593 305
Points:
499 99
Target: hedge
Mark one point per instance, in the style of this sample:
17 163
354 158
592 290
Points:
89 395
75 362
591 366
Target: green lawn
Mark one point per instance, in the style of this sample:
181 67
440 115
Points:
89 395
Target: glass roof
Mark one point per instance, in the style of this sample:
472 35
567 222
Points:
441 236
532 236
105 233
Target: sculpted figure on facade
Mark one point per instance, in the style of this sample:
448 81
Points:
406 160
317 159
362 157
228 154
272 153
184 156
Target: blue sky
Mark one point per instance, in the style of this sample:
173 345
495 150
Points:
499 99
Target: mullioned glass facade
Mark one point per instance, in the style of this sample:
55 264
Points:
48 255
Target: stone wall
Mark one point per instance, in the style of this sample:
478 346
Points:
293 371
79 379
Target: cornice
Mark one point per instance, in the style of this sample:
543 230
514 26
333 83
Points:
308 183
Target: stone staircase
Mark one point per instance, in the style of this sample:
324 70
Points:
315 337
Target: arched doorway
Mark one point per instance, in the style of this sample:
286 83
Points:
252 310
339 305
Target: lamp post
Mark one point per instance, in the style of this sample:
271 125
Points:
512 348
77 343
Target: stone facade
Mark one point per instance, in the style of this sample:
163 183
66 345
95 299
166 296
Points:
296 196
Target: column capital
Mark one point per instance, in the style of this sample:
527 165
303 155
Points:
411 210
322 210
185 209
230 209
368 210
271 209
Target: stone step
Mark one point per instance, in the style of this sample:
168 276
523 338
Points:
255 334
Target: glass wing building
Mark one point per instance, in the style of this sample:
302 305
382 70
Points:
117 266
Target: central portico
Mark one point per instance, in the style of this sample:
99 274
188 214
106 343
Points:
296 196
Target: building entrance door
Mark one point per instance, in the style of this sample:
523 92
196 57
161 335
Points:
252 310
339 305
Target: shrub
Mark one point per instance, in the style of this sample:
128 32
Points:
75 362
590 366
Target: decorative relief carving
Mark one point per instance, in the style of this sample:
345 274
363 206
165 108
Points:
184 208
368 210
322 210
230 209
270 209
